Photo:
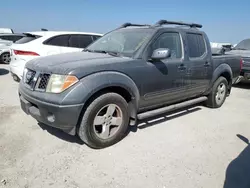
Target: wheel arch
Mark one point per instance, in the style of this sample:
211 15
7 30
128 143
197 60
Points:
104 82
225 71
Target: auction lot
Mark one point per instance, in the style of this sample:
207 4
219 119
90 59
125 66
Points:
190 148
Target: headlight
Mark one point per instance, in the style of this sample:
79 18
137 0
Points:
24 74
58 83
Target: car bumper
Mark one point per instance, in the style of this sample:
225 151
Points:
16 71
64 117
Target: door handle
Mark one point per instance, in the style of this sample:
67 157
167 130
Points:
207 64
182 67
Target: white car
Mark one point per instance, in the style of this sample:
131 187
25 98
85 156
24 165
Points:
44 43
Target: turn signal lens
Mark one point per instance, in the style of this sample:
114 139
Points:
69 81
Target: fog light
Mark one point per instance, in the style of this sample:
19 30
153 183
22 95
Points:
51 118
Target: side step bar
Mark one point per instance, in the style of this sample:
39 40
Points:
166 109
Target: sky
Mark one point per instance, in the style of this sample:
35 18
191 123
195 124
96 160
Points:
223 21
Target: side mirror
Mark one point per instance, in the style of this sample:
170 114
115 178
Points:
161 53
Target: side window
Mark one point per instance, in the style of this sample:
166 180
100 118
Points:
171 41
80 41
62 40
196 45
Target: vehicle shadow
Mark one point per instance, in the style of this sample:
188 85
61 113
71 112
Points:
140 124
238 171
3 71
149 122
61 135
243 85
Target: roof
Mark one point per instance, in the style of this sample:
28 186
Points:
52 33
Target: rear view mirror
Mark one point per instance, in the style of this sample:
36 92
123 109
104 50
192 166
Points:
161 53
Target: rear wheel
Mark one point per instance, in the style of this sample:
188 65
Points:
5 58
105 121
218 94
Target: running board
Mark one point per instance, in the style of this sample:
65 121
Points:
173 107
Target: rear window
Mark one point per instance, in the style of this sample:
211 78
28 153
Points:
27 38
12 38
196 45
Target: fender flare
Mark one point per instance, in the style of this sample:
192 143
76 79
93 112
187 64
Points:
220 70
96 82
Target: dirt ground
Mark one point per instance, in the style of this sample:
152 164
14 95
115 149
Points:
195 148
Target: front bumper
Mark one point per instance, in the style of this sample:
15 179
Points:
17 71
64 117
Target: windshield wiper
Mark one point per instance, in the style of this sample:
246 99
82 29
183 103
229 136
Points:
116 54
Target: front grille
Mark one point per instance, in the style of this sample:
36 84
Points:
43 81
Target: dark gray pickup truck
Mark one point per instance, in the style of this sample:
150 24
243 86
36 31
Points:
131 73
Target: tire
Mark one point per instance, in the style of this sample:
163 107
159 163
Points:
217 97
95 136
5 58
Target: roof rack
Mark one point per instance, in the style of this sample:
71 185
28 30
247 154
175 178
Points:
165 22
130 24
42 29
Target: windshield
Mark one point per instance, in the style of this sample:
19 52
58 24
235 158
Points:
124 42
243 45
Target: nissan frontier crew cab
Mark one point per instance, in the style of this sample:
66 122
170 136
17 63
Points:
131 73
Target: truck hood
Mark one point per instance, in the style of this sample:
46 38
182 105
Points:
242 53
76 63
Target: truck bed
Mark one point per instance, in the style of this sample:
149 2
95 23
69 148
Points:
232 60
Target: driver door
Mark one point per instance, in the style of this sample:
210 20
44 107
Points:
165 78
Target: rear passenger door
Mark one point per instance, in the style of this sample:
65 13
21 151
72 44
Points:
198 64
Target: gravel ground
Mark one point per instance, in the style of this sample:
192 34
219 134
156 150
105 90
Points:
191 149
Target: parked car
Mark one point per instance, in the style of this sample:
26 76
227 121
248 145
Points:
243 49
6 40
131 73
44 43
6 30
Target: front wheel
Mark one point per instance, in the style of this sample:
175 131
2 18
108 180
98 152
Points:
218 94
105 121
